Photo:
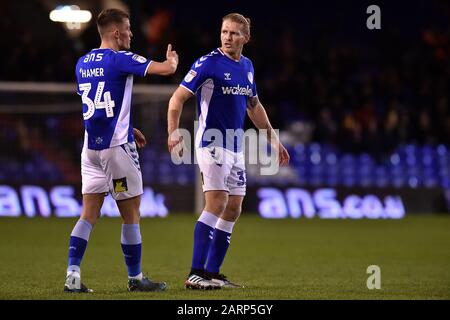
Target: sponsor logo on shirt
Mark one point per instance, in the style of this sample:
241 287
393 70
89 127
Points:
238 90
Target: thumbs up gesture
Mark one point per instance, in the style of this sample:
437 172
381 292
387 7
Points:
172 57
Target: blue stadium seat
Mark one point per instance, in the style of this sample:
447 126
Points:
349 181
316 180
442 150
413 182
365 170
445 182
381 176
347 159
365 159
331 158
331 180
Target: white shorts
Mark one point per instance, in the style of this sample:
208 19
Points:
222 169
115 170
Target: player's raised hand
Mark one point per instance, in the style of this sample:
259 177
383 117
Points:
166 68
139 138
172 56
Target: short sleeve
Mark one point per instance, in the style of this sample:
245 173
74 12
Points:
197 76
130 63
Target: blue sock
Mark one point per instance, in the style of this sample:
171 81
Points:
202 239
77 244
219 245
132 247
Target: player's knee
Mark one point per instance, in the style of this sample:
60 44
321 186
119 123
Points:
215 208
232 213
216 203
130 216
90 217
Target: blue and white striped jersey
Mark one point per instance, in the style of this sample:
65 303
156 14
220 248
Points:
105 82
222 87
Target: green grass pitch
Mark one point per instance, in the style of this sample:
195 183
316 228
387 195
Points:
274 259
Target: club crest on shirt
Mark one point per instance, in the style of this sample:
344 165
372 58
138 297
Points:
120 185
139 58
250 77
190 75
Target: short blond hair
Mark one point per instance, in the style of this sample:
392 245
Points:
239 18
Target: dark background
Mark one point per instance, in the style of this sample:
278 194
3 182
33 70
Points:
376 100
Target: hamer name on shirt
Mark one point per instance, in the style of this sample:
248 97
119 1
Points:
94 72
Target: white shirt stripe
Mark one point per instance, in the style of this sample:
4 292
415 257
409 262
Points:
120 135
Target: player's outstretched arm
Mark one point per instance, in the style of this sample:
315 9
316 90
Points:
176 102
258 115
167 67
